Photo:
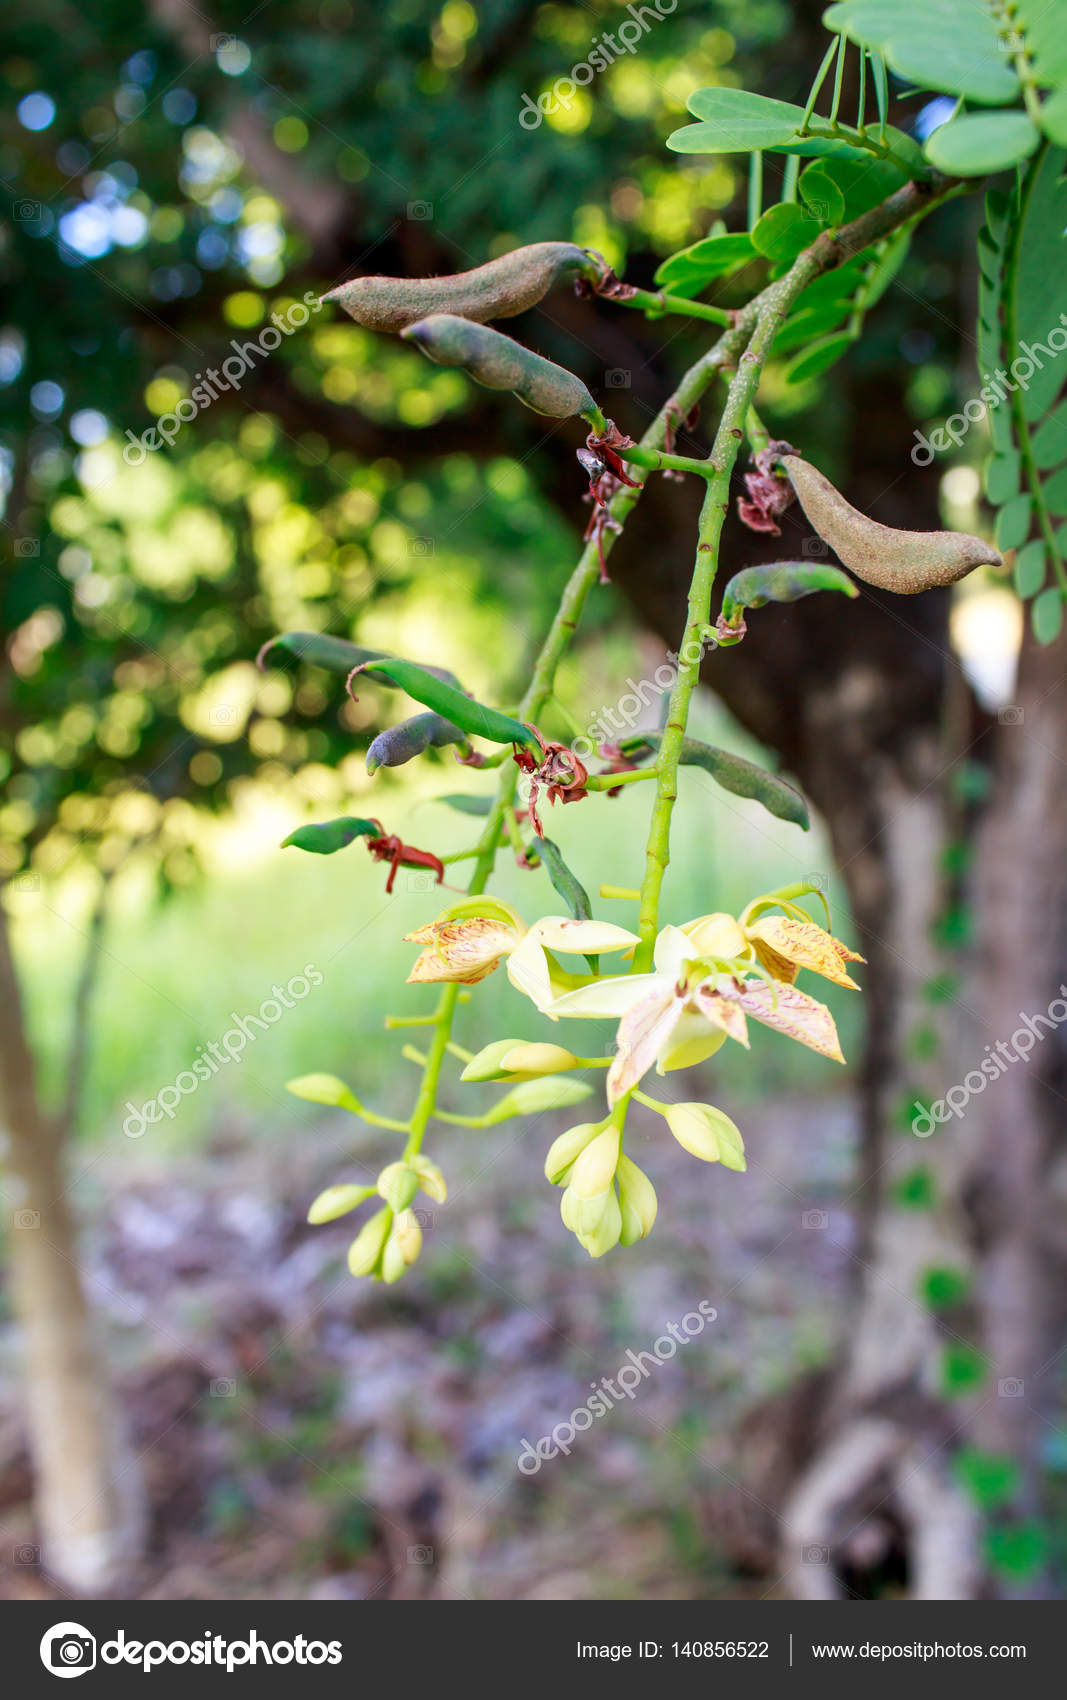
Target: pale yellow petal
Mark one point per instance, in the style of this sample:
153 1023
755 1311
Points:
584 938
806 945
793 1013
644 1031
723 1010
716 935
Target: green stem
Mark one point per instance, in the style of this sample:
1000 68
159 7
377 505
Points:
765 309
656 460
775 303
657 301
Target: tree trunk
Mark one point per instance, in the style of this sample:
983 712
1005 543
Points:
87 1489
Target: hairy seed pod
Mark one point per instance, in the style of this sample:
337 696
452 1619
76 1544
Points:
409 738
903 561
495 360
497 290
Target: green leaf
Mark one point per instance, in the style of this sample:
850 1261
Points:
325 1089
1049 442
1043 26
1046 614
1013 523
444 699
823 197
819 357
1053 117
466 802
1031 565
979 142
706 260
735 121
1016 1550
991 1478
803 328
949 45
410 738
942 1286
740 777
860 184
1054 492
1002 476
323 839
963 1370
781 581
783 232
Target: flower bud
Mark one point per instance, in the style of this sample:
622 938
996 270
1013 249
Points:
707 1133
366 1248
533 1097
407 1234
637 1201
431 1180
487 1064
337 1201
607 1231
398 1183
564 1150
568 1209
393 1263
529 1061
594 1169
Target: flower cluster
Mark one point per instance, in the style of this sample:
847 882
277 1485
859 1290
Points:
709 977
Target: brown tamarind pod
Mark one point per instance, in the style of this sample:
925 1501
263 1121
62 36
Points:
497 290
500 363
903 561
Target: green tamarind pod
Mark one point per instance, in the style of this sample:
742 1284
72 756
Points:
781 581
402 743
498 362
497 290
903 561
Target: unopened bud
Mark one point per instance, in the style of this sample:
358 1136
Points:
407 1234
707 1133
366 1248
594 1170
487 1064
398 1183
607 1230
337 1201
637 1201
431 1180
530 1061
564 1150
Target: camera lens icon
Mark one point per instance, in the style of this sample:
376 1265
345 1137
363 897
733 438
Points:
68 1649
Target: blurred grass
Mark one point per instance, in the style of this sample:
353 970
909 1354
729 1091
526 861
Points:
175 976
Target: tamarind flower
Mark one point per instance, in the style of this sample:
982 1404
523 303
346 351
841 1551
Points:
467 942
708 978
